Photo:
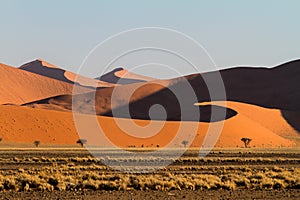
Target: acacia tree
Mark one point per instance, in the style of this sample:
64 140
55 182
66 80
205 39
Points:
36 143
81 142
246 141
184 143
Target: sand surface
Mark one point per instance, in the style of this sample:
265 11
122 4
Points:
19 86
24 124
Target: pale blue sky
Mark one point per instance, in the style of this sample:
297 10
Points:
233 32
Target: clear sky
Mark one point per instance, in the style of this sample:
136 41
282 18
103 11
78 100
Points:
62 32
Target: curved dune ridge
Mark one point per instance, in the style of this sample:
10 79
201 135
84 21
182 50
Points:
23 124
115 102
271 119
266 87
44 68
18 86
254 120
262 104
122 76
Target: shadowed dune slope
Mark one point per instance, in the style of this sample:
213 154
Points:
23 124
266 87
122 77
46 69
276 87
292 117
59 103
114 102
18 86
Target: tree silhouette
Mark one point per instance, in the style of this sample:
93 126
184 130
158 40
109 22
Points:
36 143
184 143
81 142
246 141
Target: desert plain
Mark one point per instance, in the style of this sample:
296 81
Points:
45 154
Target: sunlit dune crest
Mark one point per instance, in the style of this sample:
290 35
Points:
46 64
123 73
121 76
84 81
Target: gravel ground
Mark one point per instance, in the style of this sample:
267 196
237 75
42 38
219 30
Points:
155 195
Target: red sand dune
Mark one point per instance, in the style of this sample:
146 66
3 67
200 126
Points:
46 69
116 76
272 88
145 95
122 76
271 119
275 88
253 120
18 86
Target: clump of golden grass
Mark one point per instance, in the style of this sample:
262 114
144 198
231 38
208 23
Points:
182 160
71 178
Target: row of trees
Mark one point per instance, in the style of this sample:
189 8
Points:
82 142
246 142
37 142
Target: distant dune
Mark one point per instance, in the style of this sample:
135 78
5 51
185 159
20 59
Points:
18 86
143 98
271 88
122 76
275 87
118 76
43 68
